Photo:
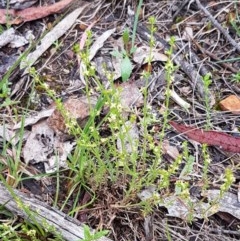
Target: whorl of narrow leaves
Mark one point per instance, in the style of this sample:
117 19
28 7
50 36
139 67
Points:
212 138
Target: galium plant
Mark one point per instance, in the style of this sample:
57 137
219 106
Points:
206 84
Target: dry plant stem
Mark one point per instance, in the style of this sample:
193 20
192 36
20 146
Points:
218 26
71 229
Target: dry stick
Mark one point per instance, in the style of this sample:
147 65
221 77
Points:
213 56
70 229
182 5
218 26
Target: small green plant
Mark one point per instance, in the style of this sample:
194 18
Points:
11 231
90 236
170 69
228 179
236 77
1 29
206 163
57 45
206 84
125 54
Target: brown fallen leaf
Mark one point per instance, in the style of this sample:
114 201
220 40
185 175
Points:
231 103
78 109
213 138
12 16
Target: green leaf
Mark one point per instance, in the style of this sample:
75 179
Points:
126 69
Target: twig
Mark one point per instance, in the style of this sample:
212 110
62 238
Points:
218 26
182 5
213 56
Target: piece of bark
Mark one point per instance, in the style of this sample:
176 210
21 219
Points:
70 229
58 31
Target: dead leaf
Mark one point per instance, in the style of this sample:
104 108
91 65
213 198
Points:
213 138
142 53
78 109
187 207
130 96
7 36
84 35
148 193
40 144
172 151
8 135
227 203
187 33
43 145
29 14
231 103
34 118
17 4
179 100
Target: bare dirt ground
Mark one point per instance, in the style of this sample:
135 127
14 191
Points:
207 42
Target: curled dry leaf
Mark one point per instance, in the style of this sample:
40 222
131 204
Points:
142 54
44 146
212 138
29 14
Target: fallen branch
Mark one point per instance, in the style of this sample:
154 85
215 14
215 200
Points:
70 229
